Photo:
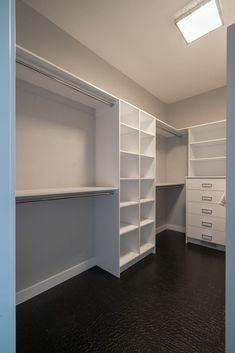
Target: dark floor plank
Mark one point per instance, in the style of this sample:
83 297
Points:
169 303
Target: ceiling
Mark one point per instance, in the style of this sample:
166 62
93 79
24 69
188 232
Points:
139 38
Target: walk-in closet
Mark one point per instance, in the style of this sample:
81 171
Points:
116 193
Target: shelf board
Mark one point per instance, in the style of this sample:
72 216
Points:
146 200
207 159
147 178
145 222
126 228
128 203
146 247
149 134
169 185
38 194
125 179
129 153
127 130
129 126
208 142
205 176
125 259
146 156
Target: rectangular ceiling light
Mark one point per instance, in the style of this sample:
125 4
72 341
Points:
200 20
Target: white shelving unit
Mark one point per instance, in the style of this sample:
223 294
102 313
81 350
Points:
137 175
207 149
206 184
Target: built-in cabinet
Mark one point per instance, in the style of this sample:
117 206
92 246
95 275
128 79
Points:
137 184
81 152
206 185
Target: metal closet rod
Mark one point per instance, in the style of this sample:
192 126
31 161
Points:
62 197
169 132
73 87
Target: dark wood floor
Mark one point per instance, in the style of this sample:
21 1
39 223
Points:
172 302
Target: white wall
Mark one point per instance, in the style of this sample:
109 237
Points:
230 223
39 35
201 109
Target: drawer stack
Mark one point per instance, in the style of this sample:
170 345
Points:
205 217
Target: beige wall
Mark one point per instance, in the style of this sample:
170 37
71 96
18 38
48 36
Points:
200 109
39 35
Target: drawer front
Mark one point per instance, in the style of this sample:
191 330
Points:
206 222
206 184
210 235
206 209
205 196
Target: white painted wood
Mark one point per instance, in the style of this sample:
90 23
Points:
107 146
207 235
107 233
40 287
214 210
22 195
146 221
129 115
128 203
207 149
126 228
129 166
206 222
129 190
206 196
208 184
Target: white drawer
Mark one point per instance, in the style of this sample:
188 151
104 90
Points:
205 196
206 209
210 235
206 222
206 184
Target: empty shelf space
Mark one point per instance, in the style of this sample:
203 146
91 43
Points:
146 247
146 200
147 178
146 221
128 203
125 259
30 195
126 228
151 134
129 115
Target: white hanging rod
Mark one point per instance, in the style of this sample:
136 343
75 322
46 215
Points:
169 131
38 198
67 84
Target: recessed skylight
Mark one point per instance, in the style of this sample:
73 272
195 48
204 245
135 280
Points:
200 20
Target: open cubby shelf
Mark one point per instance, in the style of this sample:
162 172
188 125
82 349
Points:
207 149
137 184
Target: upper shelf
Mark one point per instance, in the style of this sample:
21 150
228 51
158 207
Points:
62 193
42 73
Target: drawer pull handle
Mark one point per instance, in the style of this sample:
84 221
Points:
206 211
207 224
206 198
206 185
207 237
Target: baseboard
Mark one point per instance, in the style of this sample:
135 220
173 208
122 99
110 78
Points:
174 227
161 228
53 281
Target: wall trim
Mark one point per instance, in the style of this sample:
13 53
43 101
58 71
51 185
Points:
40 287
174 227
161 228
